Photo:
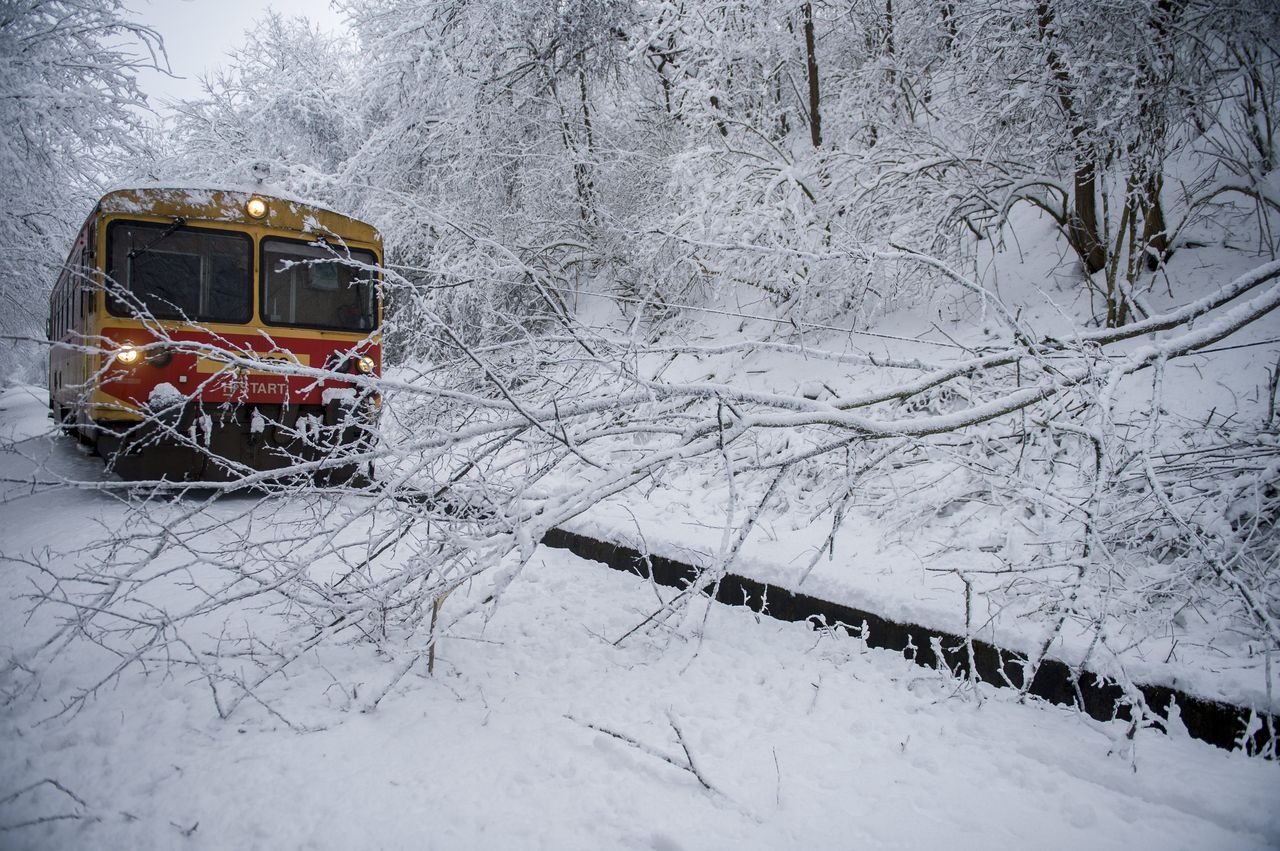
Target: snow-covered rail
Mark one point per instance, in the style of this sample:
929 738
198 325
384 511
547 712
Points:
1221 724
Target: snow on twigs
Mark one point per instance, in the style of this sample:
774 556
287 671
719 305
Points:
965 313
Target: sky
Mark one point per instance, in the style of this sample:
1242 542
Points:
198 35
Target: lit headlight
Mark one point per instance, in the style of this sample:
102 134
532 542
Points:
365 365
127 355
255 207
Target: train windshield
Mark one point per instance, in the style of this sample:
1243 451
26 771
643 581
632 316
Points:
176 272
313 286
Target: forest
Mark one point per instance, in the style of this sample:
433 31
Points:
962 310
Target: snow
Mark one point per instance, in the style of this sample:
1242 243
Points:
165 395
205 192
870 569
338 394
20 417
805 739
908 567
665 312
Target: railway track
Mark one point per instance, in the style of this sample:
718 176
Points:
1221 724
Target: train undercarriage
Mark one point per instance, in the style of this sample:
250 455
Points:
192 441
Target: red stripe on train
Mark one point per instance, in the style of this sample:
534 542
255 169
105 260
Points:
200 375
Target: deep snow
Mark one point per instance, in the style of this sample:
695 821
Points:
806 739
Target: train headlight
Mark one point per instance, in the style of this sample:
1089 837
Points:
255 207
365 365
127 355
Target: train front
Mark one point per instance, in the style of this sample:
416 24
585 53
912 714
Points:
239 334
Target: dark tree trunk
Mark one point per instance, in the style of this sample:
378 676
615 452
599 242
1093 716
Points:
1155 233
1083 224
582 169
811 62
1082 218
888 27
949 23
715 104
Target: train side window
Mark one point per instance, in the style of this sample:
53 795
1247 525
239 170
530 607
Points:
62 308
86 279
77 295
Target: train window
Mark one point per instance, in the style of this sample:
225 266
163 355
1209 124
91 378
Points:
311 286
177 272
63 312
86 279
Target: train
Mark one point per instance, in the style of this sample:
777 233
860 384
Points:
219 334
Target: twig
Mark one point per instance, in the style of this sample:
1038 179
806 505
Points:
48 781
688 755
687 765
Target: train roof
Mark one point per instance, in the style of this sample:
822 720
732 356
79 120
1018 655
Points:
227 204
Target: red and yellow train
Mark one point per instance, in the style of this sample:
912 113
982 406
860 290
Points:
208 335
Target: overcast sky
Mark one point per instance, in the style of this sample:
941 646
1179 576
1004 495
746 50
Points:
198 34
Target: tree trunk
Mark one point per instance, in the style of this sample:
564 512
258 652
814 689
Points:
1083 224
949 23
582 168
1155 232
811 62
1082 218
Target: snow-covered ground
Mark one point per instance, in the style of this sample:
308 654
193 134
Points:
906 564
538 731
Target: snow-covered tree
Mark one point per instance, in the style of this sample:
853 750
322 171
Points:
797 169
1122 121
285 100
72 114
